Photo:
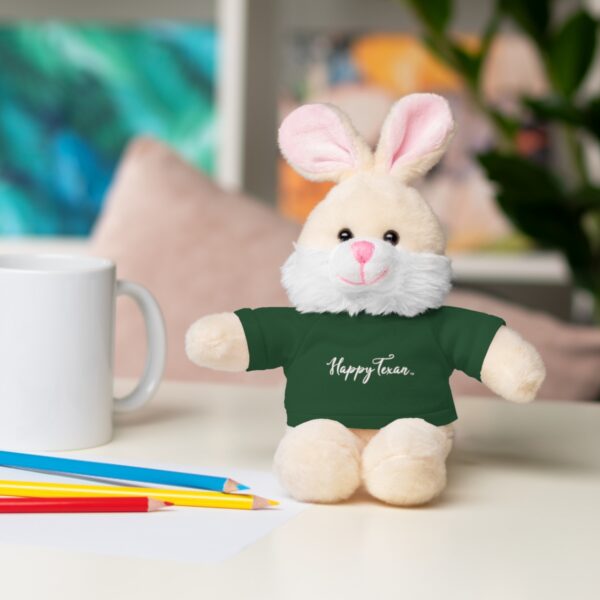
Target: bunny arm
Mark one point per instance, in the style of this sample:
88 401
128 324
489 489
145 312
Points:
512 367
218 342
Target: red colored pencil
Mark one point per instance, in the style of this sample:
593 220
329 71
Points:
80 505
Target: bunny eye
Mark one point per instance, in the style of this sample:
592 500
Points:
345 234
392 237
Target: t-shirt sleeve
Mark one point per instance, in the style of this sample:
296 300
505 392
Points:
271 334
464 337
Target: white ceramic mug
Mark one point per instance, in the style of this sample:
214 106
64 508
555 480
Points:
57 319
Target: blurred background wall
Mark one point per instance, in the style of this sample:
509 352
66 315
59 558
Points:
213 79
146 132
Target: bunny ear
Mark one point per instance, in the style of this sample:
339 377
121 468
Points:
319 141
415 135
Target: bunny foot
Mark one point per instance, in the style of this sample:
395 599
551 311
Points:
404 463
319 461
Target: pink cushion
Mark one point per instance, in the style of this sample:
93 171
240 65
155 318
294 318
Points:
197 248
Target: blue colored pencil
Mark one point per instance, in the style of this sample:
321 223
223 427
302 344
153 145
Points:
124 472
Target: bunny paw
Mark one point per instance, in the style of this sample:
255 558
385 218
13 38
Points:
319 461
218 342
404 463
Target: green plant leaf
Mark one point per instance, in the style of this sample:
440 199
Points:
507 124
489 33
441 48
567 112
586 198
467 64
533 16
555 109
522 178
591 225
571 52
591 117
537 204
437 46
435 14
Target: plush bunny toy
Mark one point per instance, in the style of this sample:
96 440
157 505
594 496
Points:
368 347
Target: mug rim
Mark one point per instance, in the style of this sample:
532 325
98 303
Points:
53 263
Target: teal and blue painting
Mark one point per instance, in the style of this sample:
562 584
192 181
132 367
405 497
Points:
72 96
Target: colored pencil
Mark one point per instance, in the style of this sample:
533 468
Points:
80 505
198 498
116 471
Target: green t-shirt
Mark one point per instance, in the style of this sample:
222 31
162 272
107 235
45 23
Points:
366 371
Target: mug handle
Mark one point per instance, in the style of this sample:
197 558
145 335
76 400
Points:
157 346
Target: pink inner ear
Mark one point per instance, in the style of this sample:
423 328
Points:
314 139
419 125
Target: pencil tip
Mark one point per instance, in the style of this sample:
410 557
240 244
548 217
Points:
259 502
157 504
233 486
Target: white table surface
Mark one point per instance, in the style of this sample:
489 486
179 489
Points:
520 518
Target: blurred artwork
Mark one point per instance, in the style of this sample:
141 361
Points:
365 74
73 94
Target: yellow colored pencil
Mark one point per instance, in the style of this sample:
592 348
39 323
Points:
200 498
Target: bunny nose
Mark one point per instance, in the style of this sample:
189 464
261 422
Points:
362 251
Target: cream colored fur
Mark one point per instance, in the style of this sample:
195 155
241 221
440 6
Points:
404 462
369 204
512 367
218 342
410 170
319 461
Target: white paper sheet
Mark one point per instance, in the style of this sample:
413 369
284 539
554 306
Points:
199 535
